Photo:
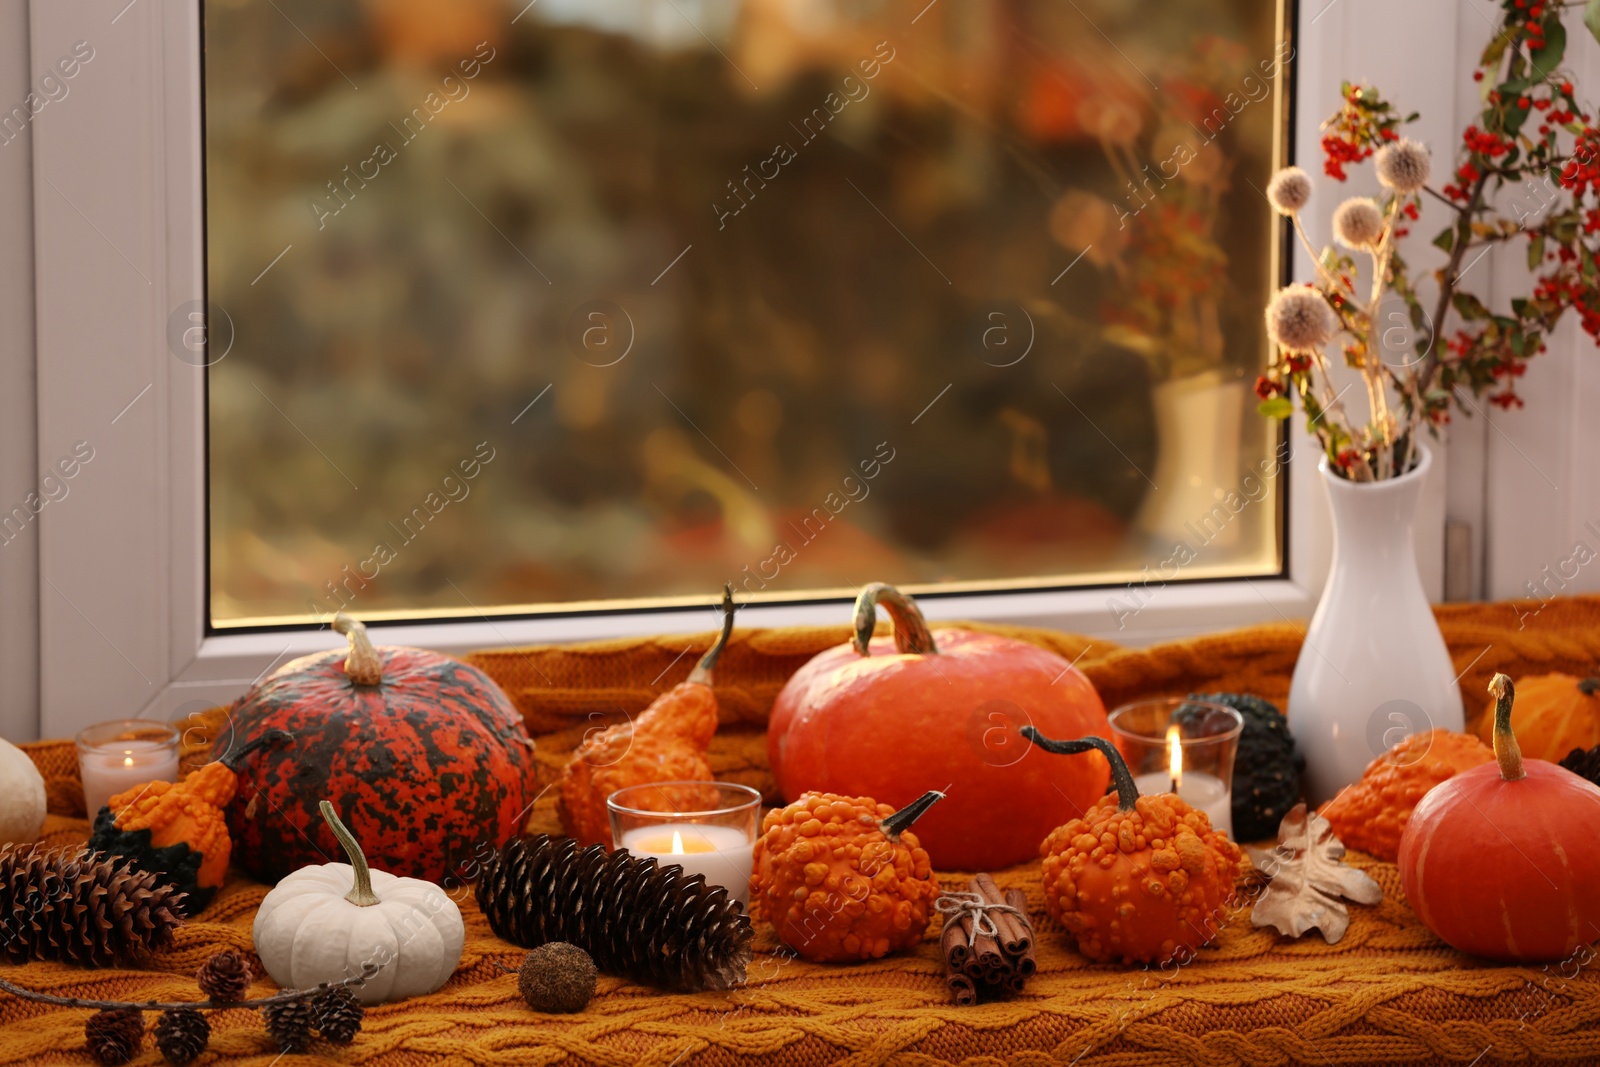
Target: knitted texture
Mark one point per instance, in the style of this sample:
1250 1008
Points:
1390 992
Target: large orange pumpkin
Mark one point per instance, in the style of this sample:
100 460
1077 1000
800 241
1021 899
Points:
1555 714
1502 860
884 718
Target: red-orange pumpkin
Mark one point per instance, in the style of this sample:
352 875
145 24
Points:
884 718
1502 860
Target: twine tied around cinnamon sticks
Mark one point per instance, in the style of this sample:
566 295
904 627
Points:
987 941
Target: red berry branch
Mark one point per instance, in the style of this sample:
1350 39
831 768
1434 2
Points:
1528 170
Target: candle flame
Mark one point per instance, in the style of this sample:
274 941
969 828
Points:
677 843
1174 756
127 761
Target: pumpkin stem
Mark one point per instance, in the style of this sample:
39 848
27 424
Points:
270 737
901 821
1588 686
363 665
910 628
361 894
1506 750
1127 791
702 670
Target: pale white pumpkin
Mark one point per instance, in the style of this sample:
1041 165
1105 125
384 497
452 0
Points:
329 922
22 801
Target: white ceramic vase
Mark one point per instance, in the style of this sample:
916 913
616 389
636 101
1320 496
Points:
1374 668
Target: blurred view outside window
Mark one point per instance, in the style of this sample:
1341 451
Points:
539 305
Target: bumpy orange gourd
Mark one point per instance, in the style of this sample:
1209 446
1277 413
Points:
178 830
668 742
1140 879
1555 714
1502 860
1371 814
842 878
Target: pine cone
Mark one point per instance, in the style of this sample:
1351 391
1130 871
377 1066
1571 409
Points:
225 976
339 1015
1585 765
182 1034
114 1036
289 1022
82 907
637 919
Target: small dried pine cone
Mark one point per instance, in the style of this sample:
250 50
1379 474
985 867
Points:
339 1015
289 1023
226 976
114 1036
182 1034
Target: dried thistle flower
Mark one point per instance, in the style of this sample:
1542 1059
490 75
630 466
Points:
1404 165
1289 190
1300 320
1358 223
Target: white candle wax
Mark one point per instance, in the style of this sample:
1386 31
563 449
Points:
722 853
118 766
1203 792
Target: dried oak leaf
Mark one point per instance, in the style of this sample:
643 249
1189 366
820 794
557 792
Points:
1308 880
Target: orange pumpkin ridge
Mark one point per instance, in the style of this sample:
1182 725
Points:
668 742
882 717
1501 860
1139 879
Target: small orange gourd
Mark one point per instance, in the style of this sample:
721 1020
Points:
178 829
668 742
1555 714
843 878
1140 879
1371 814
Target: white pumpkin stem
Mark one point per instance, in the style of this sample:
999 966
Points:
1506 750
361 894
362 664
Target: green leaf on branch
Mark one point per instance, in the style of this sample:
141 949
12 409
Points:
1591 18
1447 237
1548 58
1278 407
1535 251
1496 51
1469 306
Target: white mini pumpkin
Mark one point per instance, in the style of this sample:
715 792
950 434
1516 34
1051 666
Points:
330 922
22 800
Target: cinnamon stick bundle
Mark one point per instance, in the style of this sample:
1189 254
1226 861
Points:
982 963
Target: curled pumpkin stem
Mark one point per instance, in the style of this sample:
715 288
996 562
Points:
911 634
362 664
901 821
1127 791
361 894
702 670
1507 752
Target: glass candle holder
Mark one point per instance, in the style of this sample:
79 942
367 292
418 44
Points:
113 757
1191 754
706 828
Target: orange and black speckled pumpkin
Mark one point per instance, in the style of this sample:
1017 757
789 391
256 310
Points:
425 756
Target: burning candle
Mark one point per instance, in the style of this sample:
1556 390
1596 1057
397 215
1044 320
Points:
1192 757
114 757
707 828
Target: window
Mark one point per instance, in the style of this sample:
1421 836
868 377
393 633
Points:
599 303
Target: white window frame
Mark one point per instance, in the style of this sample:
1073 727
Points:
117 244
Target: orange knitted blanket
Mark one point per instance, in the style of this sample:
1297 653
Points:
1389 992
